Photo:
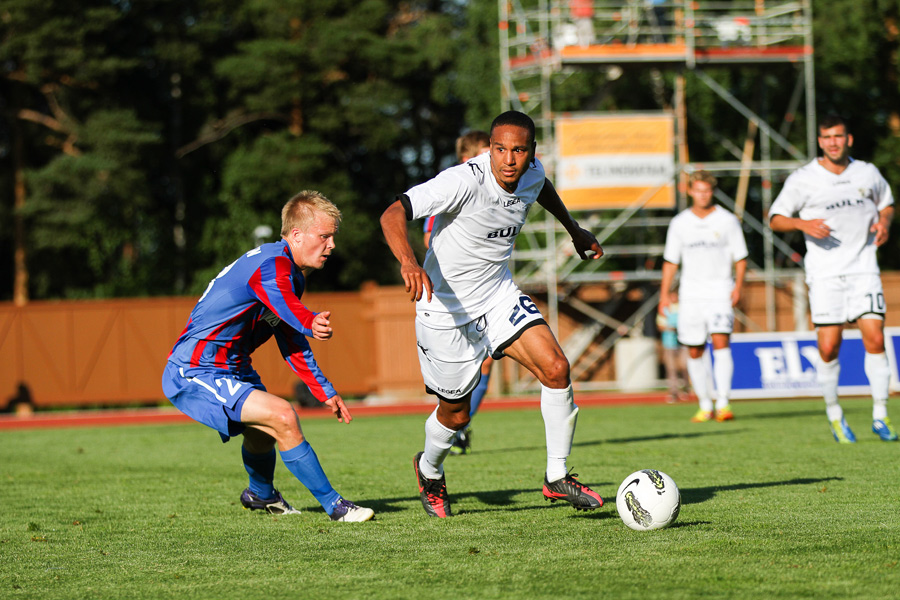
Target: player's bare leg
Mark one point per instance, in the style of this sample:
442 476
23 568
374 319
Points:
273 416
538 351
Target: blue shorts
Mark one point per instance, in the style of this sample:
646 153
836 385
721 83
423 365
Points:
214 398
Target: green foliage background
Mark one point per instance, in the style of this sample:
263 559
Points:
155 136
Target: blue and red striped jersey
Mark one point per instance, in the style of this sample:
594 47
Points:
252 299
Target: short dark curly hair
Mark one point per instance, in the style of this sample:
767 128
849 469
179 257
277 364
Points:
514 117
832 120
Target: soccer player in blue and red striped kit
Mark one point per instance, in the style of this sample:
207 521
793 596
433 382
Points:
209 376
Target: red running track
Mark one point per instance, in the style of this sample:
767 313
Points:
145 416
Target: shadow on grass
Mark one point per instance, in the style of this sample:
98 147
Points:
625 440
785 415
495 499
506 499
661 437
679 524
697 495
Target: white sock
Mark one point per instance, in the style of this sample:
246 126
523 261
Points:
827 374
560 415
723 371
438 440
699 381
878 372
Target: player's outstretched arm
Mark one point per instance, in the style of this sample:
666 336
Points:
416 280
339 409
583 240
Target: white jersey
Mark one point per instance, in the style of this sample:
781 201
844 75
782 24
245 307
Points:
475 228
706 249
849 203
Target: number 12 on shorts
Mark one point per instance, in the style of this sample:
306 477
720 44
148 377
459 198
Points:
526 304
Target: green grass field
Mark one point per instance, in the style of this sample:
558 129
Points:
771 508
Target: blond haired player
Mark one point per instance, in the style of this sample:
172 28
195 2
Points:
706 241
210 377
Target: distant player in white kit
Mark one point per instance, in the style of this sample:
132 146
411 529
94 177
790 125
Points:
844 209
707 242
468 305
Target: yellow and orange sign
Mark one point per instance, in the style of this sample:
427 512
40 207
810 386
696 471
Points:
615 161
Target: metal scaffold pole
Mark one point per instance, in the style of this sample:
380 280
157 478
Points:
688 48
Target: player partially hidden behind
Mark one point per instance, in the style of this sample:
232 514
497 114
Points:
469 307
707 241
674 355
468 146
209 376
844 208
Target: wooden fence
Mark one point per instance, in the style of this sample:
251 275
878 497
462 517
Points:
112 352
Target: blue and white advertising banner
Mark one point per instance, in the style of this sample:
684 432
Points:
783 364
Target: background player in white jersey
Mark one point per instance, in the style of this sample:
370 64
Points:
844 208
707 242
468 305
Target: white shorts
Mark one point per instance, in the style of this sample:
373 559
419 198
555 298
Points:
846 298
697 320
451 359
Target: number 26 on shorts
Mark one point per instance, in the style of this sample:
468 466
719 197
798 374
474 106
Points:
526 304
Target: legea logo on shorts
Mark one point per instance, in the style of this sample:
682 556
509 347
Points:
783 366
445 392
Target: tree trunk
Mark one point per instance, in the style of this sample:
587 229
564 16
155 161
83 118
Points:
20 268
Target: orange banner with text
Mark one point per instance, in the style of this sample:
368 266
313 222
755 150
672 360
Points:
616 161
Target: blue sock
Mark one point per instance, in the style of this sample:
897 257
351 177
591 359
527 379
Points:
303 463
261 468
478 394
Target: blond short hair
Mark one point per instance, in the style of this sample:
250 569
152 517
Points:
471 144
300 211
704 176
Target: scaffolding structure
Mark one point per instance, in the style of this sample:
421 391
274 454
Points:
544 41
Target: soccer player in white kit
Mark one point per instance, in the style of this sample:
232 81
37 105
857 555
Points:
844 208
469 307
707 242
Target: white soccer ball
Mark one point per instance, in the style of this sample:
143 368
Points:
648 499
